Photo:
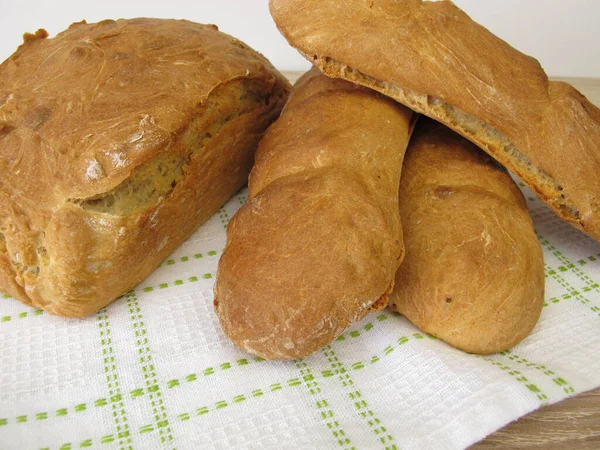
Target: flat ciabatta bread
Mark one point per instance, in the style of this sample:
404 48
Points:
473 273
433 58
318 243
117 140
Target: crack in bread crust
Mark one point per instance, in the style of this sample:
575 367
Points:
111 157
156 179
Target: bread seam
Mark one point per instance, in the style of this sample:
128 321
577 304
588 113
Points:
426 105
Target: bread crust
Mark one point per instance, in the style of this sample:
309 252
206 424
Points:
81 113
317 245
473 274
433 58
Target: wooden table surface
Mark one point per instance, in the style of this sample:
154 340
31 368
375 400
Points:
571 424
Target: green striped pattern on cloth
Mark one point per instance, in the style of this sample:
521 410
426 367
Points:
154 370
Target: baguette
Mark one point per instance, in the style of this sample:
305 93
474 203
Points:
473 274
433 58
118 140
318 243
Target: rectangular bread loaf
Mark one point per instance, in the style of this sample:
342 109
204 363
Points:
118 139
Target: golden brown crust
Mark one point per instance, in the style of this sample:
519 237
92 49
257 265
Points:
473 274
80 113
319 241
431 55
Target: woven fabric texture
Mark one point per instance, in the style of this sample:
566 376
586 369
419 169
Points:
153 370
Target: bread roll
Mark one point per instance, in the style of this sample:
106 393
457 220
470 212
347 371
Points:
473 274
118 139
433 58
318 243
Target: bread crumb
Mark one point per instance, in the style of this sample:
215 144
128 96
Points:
94 170
486 237
147 120
136 137
163 243
154 219
118 159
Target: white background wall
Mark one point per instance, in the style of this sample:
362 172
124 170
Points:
563 34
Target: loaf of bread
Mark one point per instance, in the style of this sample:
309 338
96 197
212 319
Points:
118 139
433 58
473 273
318 243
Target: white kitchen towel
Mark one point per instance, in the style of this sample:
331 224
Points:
153 370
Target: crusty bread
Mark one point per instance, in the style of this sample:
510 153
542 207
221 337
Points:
118 139
473 273
433 58
318 243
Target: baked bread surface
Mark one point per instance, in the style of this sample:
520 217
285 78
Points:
433 58
473 273
118 139
318 243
